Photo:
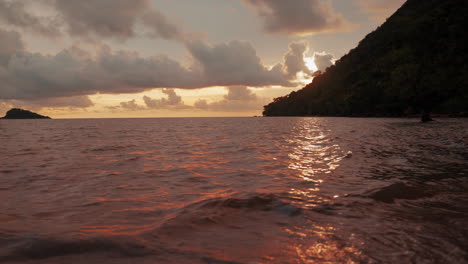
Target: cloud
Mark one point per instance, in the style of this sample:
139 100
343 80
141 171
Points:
323 60
117 19
38 104
240 93
10 43
234 63
380 8
104 18
14 13
172 101
74 72
72 101
294 60
131 105
162 27
298 17
238 99
86 70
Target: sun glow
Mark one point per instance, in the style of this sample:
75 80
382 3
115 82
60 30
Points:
310 63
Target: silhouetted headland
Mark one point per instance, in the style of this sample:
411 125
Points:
414 64
17 113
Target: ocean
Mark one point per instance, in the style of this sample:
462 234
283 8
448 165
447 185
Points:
234 190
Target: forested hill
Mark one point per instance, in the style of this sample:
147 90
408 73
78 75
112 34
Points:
17 113
416 61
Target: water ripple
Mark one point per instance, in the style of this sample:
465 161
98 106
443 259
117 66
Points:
234 190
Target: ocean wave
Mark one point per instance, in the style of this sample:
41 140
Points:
109 148
228 212
403 191
183 195
259 201
44 248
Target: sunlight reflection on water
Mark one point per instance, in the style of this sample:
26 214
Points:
314 155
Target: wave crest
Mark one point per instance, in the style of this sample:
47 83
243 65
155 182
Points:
43 248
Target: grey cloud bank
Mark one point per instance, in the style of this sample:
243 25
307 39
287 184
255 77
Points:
298 17
116 19
76 71
14 13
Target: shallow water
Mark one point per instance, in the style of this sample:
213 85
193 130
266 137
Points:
234 190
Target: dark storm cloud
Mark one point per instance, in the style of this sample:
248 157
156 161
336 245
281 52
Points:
294 60
323 60
298 17
14 13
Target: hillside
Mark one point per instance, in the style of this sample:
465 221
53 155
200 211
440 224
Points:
415 62
17 113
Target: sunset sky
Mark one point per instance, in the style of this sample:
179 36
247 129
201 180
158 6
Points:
171 58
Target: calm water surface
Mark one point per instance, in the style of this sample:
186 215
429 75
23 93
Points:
234 190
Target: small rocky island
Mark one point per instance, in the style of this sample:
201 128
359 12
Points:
17 113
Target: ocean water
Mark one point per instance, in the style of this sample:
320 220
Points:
234 190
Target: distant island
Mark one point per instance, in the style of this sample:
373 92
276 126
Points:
414 64
17 113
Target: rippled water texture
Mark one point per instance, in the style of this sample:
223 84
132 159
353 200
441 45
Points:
234 190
